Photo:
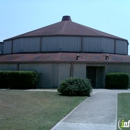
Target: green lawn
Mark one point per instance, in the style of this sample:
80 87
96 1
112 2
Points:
124 107
24 110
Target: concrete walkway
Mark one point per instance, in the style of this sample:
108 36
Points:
98 112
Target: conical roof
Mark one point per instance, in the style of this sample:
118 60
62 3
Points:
66 27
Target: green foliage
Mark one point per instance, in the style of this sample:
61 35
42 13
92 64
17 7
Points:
75 87
18 79
117 80
123 109
27 110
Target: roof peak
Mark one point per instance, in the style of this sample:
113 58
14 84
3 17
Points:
68 28
66 18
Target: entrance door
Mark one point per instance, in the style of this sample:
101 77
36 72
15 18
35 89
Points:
91 74
97 76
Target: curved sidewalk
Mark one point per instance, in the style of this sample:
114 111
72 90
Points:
98 112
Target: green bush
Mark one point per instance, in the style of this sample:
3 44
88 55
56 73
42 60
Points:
75 87
18 79
117 80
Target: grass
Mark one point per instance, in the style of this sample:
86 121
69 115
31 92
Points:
24 110
124 107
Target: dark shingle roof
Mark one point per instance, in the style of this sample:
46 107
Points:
66 27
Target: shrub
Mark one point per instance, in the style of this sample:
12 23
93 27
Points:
18 79
117 80
75 87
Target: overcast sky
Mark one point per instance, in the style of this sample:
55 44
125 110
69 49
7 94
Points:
20 16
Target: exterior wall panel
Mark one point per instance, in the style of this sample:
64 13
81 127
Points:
18 45
108 45
63 72
61 43
8 67
80 70
45 71
31 44
51 44
65 44
26 45
51 75
121 47
1 47
55 75
7 47
117 68
72 44
92 44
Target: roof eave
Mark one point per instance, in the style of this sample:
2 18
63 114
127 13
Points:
65 35
81 62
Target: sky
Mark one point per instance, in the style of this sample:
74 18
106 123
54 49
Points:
21 16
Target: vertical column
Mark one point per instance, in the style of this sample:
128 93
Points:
54 75
114 46
82 44
71 70
40 44
11 46
127 48
18 66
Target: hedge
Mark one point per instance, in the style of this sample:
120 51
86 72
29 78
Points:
75 87
117 80
18 79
